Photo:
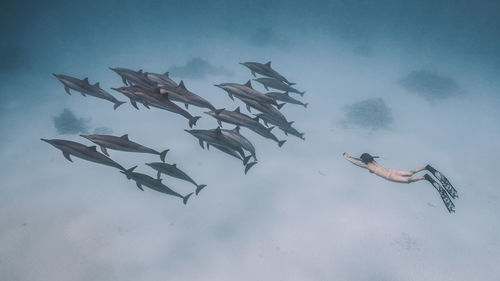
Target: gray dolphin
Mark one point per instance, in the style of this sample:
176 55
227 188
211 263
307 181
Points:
285 97
84 87
215 137
182 94
245 91
244 142
131 77
155 184
278 85
266 109
266 70
173 171
237 118
123 144
161 79
154 97
236 155
286 127
292 131
79 150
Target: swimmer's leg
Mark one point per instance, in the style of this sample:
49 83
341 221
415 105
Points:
402 179
409 173
444 196
444 181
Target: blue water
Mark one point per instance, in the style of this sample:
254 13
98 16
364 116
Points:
414 82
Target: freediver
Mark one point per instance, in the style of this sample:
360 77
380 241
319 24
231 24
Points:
368 162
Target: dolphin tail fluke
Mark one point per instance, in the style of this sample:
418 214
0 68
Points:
117 104
280 143
302 93
305 105
245 160
281 105
199 188
163 154
193 120
185 198
250 165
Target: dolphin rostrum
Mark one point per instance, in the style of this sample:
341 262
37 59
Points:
155 184
278 85
123 144
266 70
79 150
84 87
285 97
154 97
173 171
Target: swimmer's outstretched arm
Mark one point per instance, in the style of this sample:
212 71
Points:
350 159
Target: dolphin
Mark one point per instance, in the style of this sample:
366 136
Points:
173 171
266 109
79 150
278 85
237 118
182 94
285 97
161 79
292 131
215 137
153 97
84 87
266 70
236 155
155 184
245 91
123 144
244 142
138 78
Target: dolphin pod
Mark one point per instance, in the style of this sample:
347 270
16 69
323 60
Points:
158 90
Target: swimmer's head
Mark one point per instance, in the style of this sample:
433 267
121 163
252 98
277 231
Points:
367 158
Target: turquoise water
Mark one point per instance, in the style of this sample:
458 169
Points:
413 82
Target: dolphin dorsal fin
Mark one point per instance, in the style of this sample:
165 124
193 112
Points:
237 129
165 74
131 169
286 93
268 64
291 122
249 84
97 85
93 147
175 165
125 137
237 109
86 80
218 131
140 71
270 128
218 111
181 85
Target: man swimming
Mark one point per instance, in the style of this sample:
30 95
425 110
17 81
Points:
368 162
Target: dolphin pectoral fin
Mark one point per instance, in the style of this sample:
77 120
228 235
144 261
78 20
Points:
134 104
104 150
158 175
66 155
83 94
124 81
66 88
208 146
146 105
253 73
248 108
186 105
220 123
265 86
139 186
201 143
231 96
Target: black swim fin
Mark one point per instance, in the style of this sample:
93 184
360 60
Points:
444 181
444 196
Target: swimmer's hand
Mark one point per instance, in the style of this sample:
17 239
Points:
346 156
